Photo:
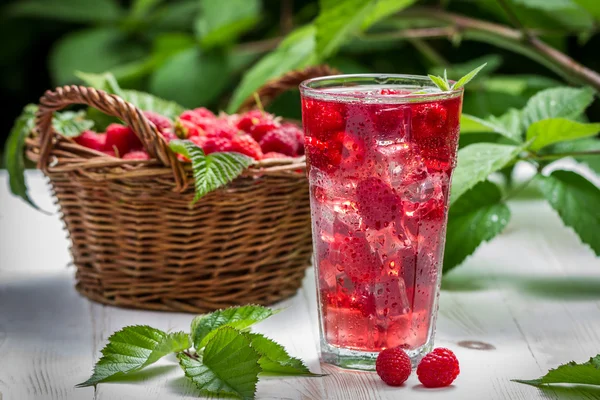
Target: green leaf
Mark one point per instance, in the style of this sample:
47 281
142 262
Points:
82 11
383 9
175 16
476 162
71 123
229 365
440 82
561 102
549 5
275 359
468 77
235 317
338 20
141 8
147 102
133 348
94 50
578 146
554 130
142 100
105 81
296 51
591 6
503 125
191 77
576 200
477 216
587 373
14 149
222 22
211 171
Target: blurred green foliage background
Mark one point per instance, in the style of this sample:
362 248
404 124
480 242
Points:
196 51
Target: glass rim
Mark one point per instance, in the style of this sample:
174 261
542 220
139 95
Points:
309 89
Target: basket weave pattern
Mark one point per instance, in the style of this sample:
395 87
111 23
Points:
137 242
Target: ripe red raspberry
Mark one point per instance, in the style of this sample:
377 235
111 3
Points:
257 123
203 112
298 134
186 129
393 366
280 140
199 141
169 135
119 138
91 140
222 129
161 122
216 144
245 144
136 155
438 368
377 203
274 155
200 117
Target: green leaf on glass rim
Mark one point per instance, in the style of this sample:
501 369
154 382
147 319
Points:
229 365
235 317
476 217
492 61
275 359
467 78
14 156
501 125
211 171
587 373
133 348
440 82
554 130
295 51
221 22
560 102
476 162
576 200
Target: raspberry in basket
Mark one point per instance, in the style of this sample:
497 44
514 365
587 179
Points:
281 140
136 155
274 155
91 140
245 144
119 138
438 368
161 122
216 144
257 123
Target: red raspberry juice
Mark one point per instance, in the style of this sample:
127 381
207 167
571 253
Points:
380 162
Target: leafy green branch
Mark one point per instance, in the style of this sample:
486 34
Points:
220 355
533 134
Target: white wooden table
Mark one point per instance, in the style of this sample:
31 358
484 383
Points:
533 294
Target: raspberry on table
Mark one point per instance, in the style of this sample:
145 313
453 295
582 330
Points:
246 145
438 368
393 366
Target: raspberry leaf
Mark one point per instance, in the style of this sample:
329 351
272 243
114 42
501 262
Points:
578 146
502 125
211 171
275 359
576 201
561 102
477 216
467 78
587 373
13 152
133 348
229 365
71 123
221 22
549 131
476 162
205 326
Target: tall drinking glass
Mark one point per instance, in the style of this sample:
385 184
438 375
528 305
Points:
380 150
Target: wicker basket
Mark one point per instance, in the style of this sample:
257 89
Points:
137 242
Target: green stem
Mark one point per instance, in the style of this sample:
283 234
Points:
516 190
556 156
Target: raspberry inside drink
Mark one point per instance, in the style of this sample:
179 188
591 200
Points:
380 162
